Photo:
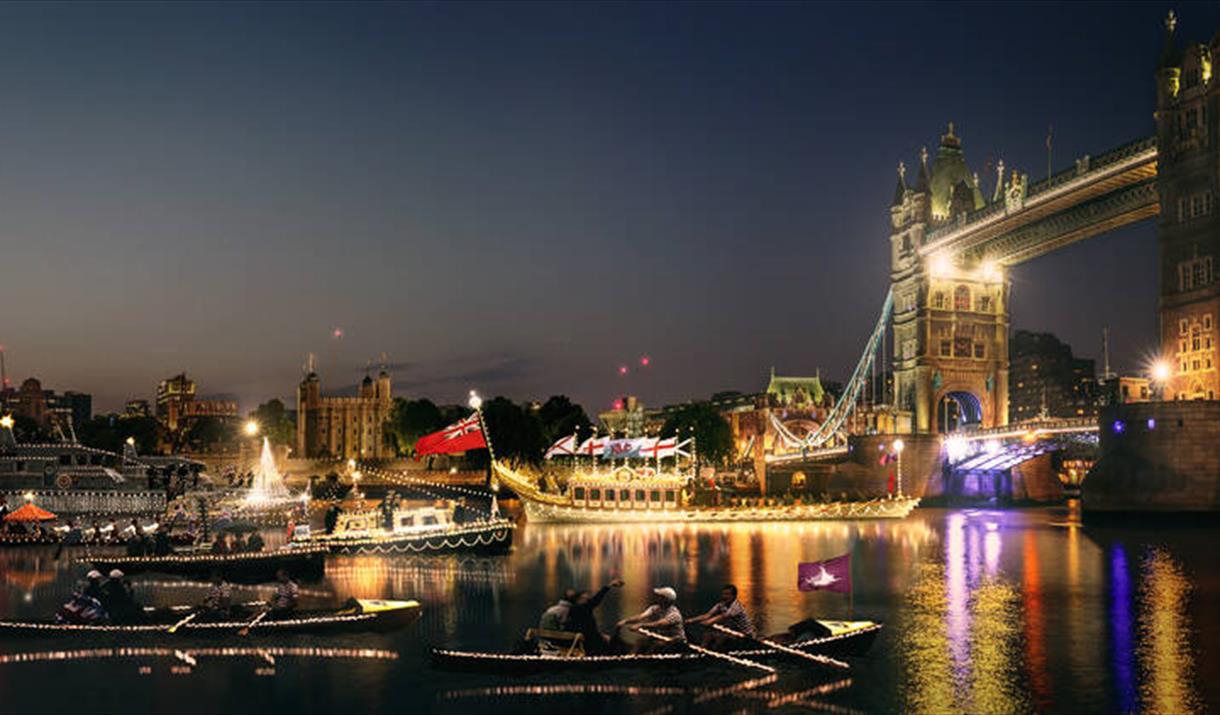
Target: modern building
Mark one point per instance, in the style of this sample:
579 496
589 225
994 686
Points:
69 408
137 408
347 427
172 395
1046 380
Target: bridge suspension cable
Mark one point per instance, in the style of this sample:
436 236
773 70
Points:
854 389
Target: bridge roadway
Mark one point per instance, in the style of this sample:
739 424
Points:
1095 196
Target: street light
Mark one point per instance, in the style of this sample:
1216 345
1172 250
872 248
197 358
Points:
251 428
6 422
1161 371
899 445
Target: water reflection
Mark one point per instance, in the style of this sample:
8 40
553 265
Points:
1164 650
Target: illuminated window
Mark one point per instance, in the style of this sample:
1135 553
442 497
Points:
946 348
938 300
961 298
1183 327
984 304
979 350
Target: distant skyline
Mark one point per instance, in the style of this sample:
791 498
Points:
521 198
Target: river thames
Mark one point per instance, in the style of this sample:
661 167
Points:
985 611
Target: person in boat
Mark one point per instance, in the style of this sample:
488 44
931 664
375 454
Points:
119 599
287 593
554 618
82 609
93 585
255 543
218 602
161 543
729 613
331 518
663 618
582 619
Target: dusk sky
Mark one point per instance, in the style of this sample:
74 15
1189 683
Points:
520 198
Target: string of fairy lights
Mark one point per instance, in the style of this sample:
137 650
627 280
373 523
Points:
484 537
226 652
207 627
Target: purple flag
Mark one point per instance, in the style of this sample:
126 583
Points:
830 575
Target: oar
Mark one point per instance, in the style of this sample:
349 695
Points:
190 617
711 653
824 660
254 622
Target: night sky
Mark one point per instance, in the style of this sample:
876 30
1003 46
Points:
521 198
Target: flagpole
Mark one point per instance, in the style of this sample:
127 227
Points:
476 403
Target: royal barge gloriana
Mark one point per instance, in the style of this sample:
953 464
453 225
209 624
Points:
628 494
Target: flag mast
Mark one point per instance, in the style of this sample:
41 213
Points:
476 403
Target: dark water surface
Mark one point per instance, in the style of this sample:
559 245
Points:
986 611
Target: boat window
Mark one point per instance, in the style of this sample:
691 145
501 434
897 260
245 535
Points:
639 495
430 521
624 495
595 494
655 495
95 459
669 495
578 493
406 521
82 459
65 459
609 495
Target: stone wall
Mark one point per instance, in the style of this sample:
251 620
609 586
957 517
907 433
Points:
1157 457
860 473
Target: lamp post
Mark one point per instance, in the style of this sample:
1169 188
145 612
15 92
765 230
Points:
899 445
1160 372
476 404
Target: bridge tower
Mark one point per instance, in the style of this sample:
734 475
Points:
1188 169
950 313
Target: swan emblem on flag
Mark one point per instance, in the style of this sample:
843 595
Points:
821 579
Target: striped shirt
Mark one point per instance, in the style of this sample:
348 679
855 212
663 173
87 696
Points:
734 617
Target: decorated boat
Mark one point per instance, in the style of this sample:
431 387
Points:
633 494
813 637
301 561
427 529
358 615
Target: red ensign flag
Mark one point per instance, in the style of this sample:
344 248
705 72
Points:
462 436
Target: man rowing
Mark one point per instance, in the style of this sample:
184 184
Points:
729 613
582 619
662 618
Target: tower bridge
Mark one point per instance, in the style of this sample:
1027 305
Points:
952 243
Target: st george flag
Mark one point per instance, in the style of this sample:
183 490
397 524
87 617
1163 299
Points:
461 436
565 447
829 575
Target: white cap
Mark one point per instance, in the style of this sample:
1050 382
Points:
666 592
93 574
115 573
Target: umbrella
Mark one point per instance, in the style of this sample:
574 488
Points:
30 512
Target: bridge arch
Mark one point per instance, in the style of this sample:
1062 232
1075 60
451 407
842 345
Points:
956 408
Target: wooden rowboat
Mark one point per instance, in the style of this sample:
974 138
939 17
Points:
304 561
842 638
358 616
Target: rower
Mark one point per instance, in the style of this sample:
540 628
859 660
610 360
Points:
729 613
554 617
93 585
663 618
219 599
582 620
284 602
118 599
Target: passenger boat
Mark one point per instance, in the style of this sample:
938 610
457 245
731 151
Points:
359 615
429 529
629 494
302 561
820 637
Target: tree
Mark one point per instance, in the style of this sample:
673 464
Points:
411 419
713 436
560 417
274 422
515 432
146 431
26 429
207 432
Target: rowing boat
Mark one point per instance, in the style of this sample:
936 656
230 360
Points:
359 615
302 561
830 638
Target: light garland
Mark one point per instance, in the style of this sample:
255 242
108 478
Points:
480 535
178 653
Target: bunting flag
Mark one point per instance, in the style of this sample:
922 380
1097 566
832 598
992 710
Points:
829 575
565 447
593 447
462 436
623 449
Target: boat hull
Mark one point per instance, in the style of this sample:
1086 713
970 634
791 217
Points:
399 616
301 562
854 643
487 538
537 511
